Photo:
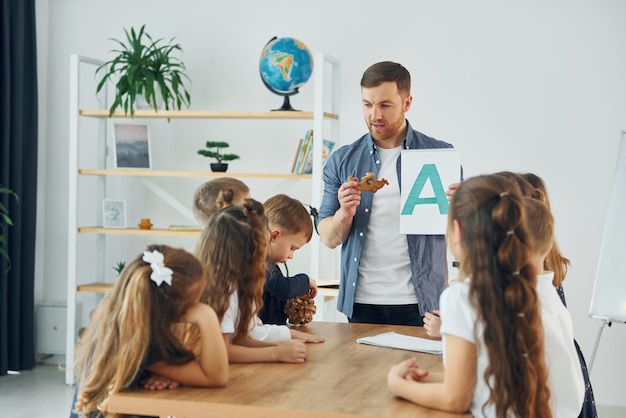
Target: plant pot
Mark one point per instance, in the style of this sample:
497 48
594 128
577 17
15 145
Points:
219 167
142 104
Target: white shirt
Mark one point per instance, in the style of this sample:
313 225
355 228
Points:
457 318
385 267
258 330
565 377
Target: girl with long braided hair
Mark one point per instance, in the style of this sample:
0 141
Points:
490 321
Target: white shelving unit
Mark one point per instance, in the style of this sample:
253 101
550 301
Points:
327 79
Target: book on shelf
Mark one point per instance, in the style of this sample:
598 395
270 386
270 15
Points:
327 148
303 160
295 157
185 228
301 151
305 152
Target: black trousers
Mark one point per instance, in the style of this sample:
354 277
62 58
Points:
386 314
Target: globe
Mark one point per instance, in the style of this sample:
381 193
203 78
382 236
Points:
286 64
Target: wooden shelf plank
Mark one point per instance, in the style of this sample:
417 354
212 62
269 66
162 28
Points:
137 231
177 173
98 287
205 114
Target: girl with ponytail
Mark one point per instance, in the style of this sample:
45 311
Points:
131 331
233 246
491 321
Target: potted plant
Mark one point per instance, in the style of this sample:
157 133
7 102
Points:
220 166
144 67
5 221
119 266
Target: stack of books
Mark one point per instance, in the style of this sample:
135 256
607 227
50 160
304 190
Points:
303 160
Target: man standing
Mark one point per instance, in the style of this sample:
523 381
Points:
386 277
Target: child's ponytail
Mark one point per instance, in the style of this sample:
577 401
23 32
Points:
233 247
497 248
131 327
225 198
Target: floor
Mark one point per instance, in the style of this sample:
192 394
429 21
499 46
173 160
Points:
37 393
42 393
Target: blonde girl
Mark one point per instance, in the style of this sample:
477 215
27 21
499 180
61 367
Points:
131 331
233 247
491 324
214 194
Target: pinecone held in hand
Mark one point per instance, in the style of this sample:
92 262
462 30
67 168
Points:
300 310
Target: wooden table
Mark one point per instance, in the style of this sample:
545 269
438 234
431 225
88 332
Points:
340 379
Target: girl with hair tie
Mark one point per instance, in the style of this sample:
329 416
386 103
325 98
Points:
233 246
132 331
490 321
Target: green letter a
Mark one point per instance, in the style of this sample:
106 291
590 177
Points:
429 171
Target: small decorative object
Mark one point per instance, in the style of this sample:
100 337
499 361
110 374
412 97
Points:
220 166
5 221
369 183
119 266
145 67
300 310
286 64
145 224
132 146
114 213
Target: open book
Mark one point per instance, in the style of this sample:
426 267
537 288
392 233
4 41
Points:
403 342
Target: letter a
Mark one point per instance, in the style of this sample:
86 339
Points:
428 172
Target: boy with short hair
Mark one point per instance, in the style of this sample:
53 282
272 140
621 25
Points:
290 229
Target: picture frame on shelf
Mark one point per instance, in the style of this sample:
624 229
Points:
132 146
114 213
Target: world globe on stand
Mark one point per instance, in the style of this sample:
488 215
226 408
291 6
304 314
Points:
286 64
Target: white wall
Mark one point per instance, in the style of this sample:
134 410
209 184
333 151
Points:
534 86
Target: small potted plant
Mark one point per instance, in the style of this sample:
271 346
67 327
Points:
145 68
220 166
5 221
119 266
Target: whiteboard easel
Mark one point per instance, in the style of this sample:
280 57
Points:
608 302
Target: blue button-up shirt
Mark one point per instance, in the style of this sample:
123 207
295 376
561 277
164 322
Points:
426 252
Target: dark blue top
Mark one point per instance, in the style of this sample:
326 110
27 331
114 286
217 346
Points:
277 290
589 404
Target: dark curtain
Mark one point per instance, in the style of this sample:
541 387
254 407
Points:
18 171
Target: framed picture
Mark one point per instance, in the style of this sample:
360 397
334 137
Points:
114 213
132 146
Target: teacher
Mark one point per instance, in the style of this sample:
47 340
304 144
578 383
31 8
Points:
386 277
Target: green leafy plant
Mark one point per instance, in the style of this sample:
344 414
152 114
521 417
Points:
141 65
5 221
119 266
217 145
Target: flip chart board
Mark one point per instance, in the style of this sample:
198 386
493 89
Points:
609 293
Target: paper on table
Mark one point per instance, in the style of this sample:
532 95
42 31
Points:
404 342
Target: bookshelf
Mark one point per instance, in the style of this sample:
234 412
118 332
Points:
327 73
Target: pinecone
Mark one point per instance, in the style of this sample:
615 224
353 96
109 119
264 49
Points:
300 310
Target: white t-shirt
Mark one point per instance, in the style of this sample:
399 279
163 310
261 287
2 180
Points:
565 378
458 318
564 374
258 330
385 267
